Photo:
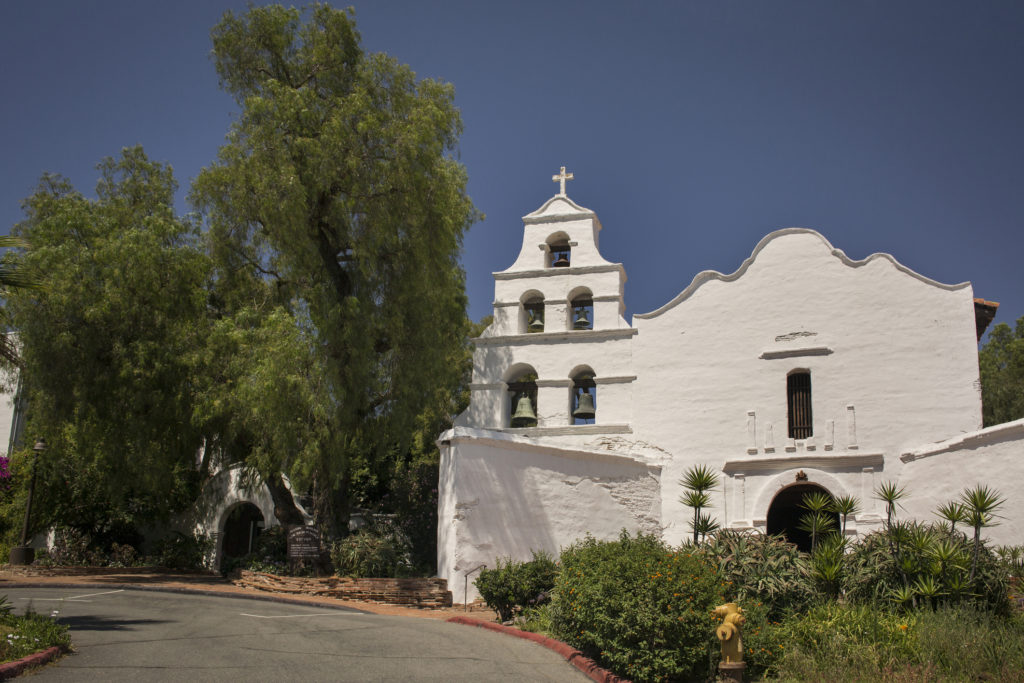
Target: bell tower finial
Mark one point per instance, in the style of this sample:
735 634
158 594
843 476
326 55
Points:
560 178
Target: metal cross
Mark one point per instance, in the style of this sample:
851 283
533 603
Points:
561 178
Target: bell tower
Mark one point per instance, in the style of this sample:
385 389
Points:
556 359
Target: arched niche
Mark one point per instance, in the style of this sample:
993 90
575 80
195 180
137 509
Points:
559 253
521 409
531 312
582 410
581 309
240 527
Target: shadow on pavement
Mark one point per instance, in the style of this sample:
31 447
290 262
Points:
91 623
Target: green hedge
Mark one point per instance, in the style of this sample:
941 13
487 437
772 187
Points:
638 607
513 586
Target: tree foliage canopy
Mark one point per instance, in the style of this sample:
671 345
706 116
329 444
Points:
338 187
314 329
108 342
1001 362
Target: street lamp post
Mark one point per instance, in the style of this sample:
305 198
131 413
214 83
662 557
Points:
24 553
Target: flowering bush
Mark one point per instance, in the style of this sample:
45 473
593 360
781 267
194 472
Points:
638 607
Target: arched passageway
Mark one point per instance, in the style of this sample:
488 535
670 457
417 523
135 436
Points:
786 510
240 530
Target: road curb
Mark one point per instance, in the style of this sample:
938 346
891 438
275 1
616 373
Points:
18 667
571 654
284 599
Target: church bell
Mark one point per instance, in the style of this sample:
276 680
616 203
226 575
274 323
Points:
524 415
562 261
584 407
581 322
536 323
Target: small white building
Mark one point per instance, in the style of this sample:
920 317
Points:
802 370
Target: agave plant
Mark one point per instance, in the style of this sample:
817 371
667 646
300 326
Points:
698 481
928 588
902 595
759 565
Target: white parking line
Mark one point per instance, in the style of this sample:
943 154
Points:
74 598
296 616
92 595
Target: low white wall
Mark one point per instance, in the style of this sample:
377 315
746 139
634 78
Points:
993 457
503 496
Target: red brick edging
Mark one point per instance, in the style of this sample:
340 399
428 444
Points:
571 654
18 667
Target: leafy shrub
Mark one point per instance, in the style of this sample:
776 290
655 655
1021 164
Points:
638 607
123 556
376 550
71 547
181 551
413 501
512 586
767 568
933 568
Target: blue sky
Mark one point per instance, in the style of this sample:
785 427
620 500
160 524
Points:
693 128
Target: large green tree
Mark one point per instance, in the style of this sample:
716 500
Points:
337 187
109 345
1001 361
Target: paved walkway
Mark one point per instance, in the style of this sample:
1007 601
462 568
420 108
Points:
134 634
214 584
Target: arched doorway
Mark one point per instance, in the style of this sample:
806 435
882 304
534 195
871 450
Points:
240 529
786 510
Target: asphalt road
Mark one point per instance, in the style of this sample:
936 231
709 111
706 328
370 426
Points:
129 635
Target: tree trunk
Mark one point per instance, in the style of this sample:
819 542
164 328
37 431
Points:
287 513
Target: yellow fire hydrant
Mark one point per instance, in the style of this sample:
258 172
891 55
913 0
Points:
730 634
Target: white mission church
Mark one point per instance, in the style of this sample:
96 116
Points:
802 370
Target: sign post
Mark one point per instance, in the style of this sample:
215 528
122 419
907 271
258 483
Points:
303 544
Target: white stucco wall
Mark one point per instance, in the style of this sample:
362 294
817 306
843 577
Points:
504 495
994 457
892 357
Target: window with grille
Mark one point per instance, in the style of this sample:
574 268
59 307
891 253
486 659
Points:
798 391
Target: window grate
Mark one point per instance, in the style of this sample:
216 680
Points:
798 391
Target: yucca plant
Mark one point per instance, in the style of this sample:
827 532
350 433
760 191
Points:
953 512
827 563
845 506
981 503
817 521
890 494
699 481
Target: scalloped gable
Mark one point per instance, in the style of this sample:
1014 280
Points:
707 275
558 207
